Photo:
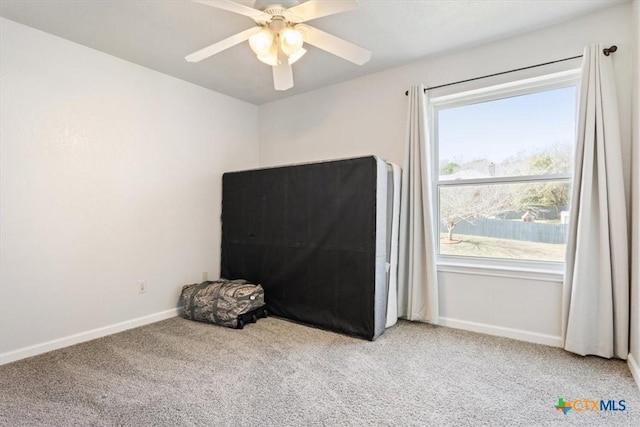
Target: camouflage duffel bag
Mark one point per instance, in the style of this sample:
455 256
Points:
224 302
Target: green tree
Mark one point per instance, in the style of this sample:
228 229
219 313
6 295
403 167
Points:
449 168
533 197
554 159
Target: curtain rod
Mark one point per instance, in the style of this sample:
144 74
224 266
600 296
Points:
607 51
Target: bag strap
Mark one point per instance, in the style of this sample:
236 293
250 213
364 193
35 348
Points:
214 302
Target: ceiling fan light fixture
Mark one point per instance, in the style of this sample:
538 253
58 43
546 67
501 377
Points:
291 41
299 54
270 59
262 42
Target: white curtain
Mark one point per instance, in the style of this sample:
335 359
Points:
596 288
417 275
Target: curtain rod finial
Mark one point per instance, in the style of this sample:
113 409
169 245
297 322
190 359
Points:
609 50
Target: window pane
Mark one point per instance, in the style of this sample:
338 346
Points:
523 135
513 221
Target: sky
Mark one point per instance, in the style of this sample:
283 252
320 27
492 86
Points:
496 130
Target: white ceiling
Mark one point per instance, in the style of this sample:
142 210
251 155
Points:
158 34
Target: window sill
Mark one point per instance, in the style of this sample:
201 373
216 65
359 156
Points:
547 274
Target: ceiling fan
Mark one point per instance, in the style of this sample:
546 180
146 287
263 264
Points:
279 34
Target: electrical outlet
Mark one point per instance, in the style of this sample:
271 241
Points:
142 286
205 276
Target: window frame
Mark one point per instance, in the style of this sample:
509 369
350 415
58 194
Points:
531 269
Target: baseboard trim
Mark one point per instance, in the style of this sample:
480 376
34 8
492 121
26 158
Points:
501 331
45 347
634 368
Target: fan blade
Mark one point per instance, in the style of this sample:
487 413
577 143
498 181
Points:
335 45
221 45
313 9
282 73
232 6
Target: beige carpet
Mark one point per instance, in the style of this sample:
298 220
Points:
277 373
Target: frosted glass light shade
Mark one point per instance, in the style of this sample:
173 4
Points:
269 59
299 54
291 41
261 42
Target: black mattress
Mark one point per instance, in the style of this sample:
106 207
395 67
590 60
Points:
314 236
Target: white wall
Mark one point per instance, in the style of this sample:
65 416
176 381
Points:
635 230
368 116
110 174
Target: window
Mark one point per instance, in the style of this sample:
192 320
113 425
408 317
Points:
503 159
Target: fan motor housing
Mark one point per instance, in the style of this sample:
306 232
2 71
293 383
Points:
277 23
264 5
